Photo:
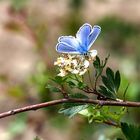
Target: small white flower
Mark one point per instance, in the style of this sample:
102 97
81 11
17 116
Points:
70 56
59 61
62 73
75 71
93 53
67 62
86 64
75 64
83 72
68 68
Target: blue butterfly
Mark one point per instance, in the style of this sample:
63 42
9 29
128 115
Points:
80 44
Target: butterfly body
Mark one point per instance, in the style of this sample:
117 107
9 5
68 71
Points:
80 44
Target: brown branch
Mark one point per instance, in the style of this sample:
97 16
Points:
64 93
94 91
111 123
69 100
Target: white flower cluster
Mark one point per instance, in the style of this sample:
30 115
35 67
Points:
75 64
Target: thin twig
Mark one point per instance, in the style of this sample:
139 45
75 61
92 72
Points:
90 79
111 123
69 100
93 91
96 79
64 93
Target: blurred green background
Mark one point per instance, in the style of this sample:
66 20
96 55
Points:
29 30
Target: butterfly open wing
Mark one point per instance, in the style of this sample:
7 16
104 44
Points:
70 40
68 44
83 33
93 35
85 37
62 47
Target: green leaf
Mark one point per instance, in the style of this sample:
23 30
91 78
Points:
75 82
111 81
96 63
110 74
108 83
117 80
72 110
103 90
131 132
110 77
72 83
125 91
59 80
96 116
90 119
99 66
114 116
81 85
53 89
93 114
104 113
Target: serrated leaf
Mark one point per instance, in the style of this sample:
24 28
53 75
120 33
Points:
111 79
103 90
53 89
72 83
92 114
114 116
98 72
75 83
117 80
108 83
85 112
72 110
59 80
98 67
131 132
110 74
96 63
81 85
